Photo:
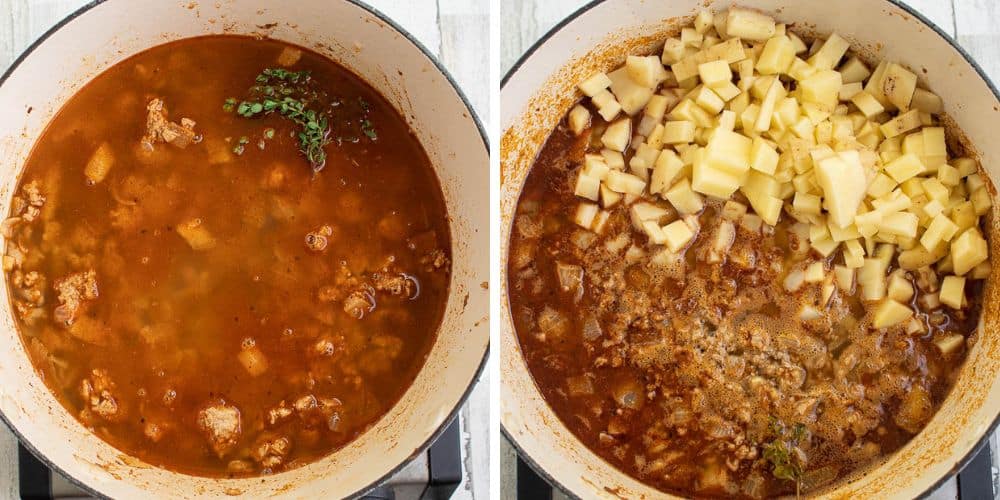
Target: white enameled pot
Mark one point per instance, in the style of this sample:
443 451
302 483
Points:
540 89
366 42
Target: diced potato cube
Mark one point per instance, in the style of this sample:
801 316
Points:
904 167
673 51
777 56
763 156
965 166
684 199
871 277
595 84
900 288
690 37
901 124
842 180
822 88
621 182
981 201
949 343
196 235
814 273
890 313
729 152
666 169
844 277
617 136
585 213
630 95
607 106
982 271
709 100
733 210
645 71
677 234
964 215
609 198
900 224
656 234
867 104
853 70
600 221
99 164
749 25
898 85
678 132
829 55
806 203
849 90
715 73
854 254
926 102
968 251
578 119
587 187
713 182
953 292
940 229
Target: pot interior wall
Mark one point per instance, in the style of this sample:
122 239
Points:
114 30
543 88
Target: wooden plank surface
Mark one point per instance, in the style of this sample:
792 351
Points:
454 31
972 22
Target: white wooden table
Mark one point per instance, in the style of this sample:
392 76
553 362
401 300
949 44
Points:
522 22
454 31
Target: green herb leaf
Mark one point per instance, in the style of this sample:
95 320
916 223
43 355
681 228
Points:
369 129
229 105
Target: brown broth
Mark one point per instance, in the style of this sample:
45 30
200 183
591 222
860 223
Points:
170 321
692 364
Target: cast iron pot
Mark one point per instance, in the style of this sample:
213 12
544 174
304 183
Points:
540 89
369 44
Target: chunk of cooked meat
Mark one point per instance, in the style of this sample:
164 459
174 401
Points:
97 395
358 303
221 424
397 284
435 260
270 452
160 129
72 291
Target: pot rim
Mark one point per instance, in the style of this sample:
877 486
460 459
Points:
983 440
452 414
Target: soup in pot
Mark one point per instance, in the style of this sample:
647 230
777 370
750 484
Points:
749 265
227 256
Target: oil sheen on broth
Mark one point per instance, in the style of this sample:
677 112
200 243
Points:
204 288
737 364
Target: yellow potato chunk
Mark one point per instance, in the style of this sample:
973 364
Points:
749 25
585 214
677 234
595 84
578 119
777 56
904 167
715 73
685 200
968 251
898 85
678 132
617 136
587 187
842 179
890 313
829 55
952 292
